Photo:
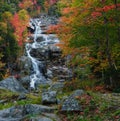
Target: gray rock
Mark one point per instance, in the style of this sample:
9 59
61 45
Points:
25 80
12 84
40 39
49 97
38 53
52 116
54 48
22 97
62 72
57 86
71 104
25 65
77 93
16 113
12 114
37 109
41 118
3 101
10 119
49 73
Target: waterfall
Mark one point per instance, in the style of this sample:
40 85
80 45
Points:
37 75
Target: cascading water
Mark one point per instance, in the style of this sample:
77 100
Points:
37 76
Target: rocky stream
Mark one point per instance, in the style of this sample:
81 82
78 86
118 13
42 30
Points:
41 65
35 93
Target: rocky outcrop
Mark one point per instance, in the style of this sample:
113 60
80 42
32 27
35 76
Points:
41 63
49 97
12 84
25 65
18 113
71 104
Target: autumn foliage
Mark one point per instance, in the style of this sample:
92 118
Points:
31 6
95 25
19 22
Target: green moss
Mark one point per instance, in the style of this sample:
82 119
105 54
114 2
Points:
43 86
10 99
6 105
34 99
7 94
78 84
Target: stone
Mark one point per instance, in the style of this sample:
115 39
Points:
49 97
17 113
71 103
40 39
25 80
22 97
77 93
52 116
12 84
38 53
3 101
57 86
49 73
41 118
55 48
25 65
37 109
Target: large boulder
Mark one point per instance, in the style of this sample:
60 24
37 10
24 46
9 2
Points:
18 113
12 84
25 65
49 97
40 39
61 72
71 103
38 53
37 109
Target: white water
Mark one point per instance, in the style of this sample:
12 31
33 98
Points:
37 76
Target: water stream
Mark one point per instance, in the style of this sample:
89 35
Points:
37 76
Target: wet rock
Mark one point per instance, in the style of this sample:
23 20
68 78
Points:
49 97
12 84
25 65
55 49
40 39
61 72
37 53
49 73
30 39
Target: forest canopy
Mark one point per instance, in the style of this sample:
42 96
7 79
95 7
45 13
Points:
90 31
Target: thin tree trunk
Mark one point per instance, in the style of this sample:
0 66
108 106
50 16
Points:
108 52
117 19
